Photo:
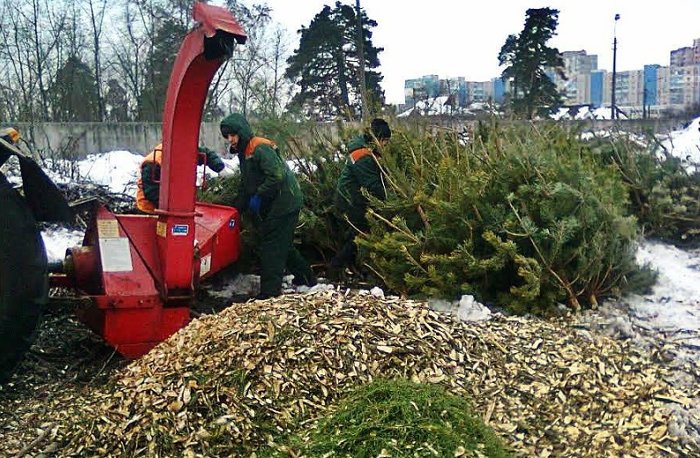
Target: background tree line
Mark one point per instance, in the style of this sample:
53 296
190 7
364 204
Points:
96 60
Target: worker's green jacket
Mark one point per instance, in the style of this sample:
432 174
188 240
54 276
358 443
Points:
263 172
360 172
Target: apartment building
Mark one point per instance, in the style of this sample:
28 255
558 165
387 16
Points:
676 86
573 81
421 88
629 88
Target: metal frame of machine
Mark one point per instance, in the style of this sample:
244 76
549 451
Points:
140 271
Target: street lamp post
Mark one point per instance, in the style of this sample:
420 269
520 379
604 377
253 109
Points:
613 111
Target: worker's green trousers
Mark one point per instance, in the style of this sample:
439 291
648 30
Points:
277 251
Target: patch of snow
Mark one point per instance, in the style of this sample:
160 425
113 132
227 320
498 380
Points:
471 310
561 113
670 312
287 282
58 239
118 170
377 292
466 309
685 145
440 305
441 106
241 285
585 112
320 288
674 303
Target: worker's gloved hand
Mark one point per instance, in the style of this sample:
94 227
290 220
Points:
254 204
227 171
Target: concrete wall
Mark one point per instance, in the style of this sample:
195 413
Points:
81 139
660 126
77 140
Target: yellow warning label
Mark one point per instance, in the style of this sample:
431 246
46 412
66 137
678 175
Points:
107 228
161 229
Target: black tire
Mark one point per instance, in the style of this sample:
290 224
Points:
23 278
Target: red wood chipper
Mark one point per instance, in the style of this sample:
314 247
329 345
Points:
140 272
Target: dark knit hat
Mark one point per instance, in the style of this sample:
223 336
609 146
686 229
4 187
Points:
380 129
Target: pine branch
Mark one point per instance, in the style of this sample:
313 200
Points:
393 226
572 297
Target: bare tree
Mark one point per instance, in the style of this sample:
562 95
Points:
124 50
97 11
254 79
273 82
32 33
46 24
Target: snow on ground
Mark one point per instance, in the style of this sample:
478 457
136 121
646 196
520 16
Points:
674 303
666 322
466 309
584 112
685 145
442 106
117 170
670 312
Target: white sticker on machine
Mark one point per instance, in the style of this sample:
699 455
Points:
115 254
205 265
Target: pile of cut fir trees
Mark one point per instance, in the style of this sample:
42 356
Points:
523 216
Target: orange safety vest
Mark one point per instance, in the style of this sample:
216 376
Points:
154 157
255 142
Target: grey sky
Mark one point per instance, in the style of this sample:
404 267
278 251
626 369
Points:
463 37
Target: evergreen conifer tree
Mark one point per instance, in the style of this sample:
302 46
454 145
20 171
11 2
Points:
73 94
527 57
326 65
168 37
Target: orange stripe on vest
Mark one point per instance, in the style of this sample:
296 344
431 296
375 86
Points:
255 142
359 154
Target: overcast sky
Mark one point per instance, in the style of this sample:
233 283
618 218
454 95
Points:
463 37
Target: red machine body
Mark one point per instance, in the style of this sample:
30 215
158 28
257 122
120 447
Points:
141 271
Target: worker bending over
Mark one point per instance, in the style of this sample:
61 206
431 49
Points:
270 192
361 173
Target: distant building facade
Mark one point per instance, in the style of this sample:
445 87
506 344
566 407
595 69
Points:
580 82
421 89
574 81
458 91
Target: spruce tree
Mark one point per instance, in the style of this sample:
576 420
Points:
326 65
526 57
73 94
168 37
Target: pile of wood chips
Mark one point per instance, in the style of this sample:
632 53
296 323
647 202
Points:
230 382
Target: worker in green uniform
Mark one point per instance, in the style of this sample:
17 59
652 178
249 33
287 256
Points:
361 173
270 192
148 184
